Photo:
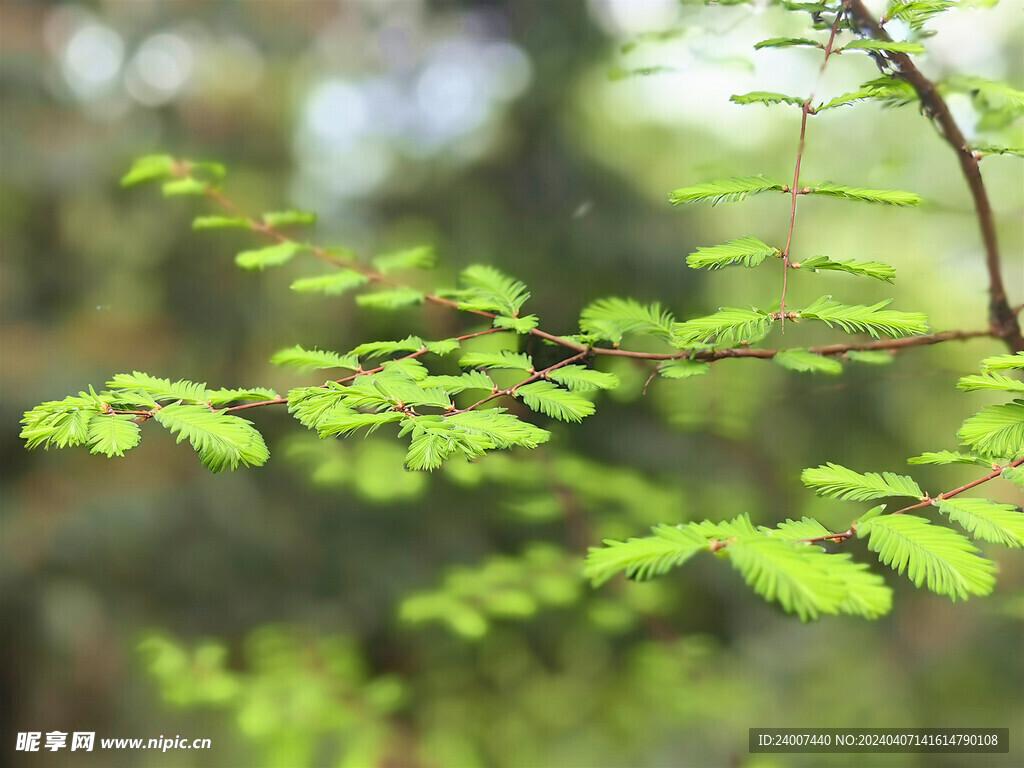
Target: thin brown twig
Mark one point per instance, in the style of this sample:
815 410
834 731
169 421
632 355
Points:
805 110
927 501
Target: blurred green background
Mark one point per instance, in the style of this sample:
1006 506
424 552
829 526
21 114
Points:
334 609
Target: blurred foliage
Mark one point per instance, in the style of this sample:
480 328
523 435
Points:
494 133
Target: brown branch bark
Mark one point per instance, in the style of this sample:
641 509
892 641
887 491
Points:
1001 317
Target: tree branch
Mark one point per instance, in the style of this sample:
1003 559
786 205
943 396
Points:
1001 316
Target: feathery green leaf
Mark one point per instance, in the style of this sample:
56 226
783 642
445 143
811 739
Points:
270 256
148 168
578 378
870 356
997 430
802 361
420 257
787 42
874 320
682 369
747 251
502 359
1004 362
932 555
725 190
222 441
112 435
644 558
161 389
310 359
890 91
987 520
946 457
288 218
989 381
885 196
837 482
612 318
398 298
554 401
766 98
727 327
331 284
220 222
875 269
886 46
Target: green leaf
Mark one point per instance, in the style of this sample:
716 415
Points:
220 222
885 196
795 531
993 149
342 422
399 298
161 389
891 92
725 190
990 381
871 514
997 430
837 482
619 73
946 457
612 318
409 368
886 46
148 168
682 369
421 257
502 359
112 435
727 327
442 347
453 385
798 577
554 401
937 557
766 97
875 269
184 187
1004 362
311 406
271 256
310 359
59 423
1014 474
643 558
747 251
989 95
873 320
807 362
488 290
916 12
523 324
331 284
787 42
870 356
987 520
866 592
225 396
222 441
377 348
503 430
578 378
292 218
